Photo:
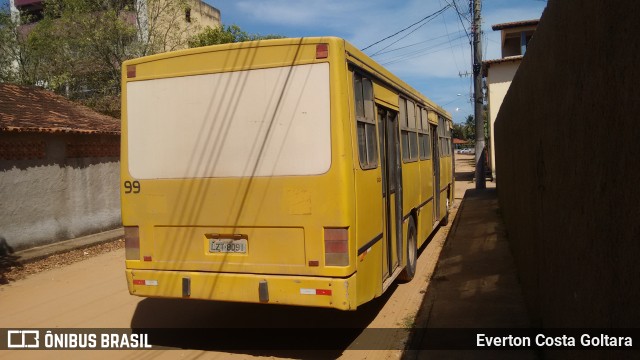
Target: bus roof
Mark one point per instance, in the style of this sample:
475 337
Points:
354 55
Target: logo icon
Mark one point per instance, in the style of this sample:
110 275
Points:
23 339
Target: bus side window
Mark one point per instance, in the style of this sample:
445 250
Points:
444 137
408 130
365 122
423 136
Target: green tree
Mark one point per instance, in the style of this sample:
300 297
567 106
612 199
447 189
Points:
469 128
7 40
458 131
19 62
225 34
77 49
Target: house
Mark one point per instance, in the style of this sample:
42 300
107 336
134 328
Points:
500 72
59 168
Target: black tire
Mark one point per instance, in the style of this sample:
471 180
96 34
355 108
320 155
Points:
409 270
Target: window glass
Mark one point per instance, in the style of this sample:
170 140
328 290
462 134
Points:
411 114
425 148
413 145
425 120
406 155
367 94
392 159
372 148
402 115
357 85
362 144
365 122
367 145
382 150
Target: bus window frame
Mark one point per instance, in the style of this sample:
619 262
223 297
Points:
405 128
424 133
362 121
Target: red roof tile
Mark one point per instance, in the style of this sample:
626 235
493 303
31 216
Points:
30 109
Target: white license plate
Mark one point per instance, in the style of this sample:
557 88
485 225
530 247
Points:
235 246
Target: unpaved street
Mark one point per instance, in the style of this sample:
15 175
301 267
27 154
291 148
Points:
93 294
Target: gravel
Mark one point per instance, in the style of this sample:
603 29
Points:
15 271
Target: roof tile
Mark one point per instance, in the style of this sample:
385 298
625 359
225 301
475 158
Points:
31 109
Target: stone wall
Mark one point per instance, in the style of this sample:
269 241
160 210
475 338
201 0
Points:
57 186
568 173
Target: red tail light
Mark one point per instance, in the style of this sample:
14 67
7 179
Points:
322 51
336 247
131 243
131 71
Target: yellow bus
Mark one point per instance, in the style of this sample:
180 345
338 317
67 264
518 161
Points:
287 171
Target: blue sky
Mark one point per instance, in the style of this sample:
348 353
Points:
429 59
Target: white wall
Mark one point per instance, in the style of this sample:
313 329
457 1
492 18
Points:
499 77
53 199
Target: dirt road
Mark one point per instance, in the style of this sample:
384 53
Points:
93 294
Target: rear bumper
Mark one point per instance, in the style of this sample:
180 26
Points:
339 293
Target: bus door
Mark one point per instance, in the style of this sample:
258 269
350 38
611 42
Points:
391 189
435 154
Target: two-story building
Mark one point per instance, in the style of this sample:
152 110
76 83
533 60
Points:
500 72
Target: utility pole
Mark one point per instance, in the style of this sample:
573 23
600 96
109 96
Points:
477 94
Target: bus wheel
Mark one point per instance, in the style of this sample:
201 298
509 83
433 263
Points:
409 271
445 220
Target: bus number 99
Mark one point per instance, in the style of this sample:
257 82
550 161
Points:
131 187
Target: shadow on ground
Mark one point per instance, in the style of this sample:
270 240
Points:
474 286
7 260
256 329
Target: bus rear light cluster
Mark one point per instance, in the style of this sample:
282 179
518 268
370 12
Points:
336 247
131 243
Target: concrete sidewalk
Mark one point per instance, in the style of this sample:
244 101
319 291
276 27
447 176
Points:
475 283
40 252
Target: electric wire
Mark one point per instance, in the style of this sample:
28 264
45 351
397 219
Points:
412 31
423 51
460 16
417 43
408 27
446 28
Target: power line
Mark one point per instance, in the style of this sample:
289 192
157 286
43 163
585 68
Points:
416 53
411 32
460 16
414 44
410 54
408 27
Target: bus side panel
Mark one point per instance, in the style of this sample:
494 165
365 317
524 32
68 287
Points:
369 214
411 187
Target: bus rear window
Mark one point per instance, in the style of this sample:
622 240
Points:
264 122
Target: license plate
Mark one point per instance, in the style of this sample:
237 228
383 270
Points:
235 246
